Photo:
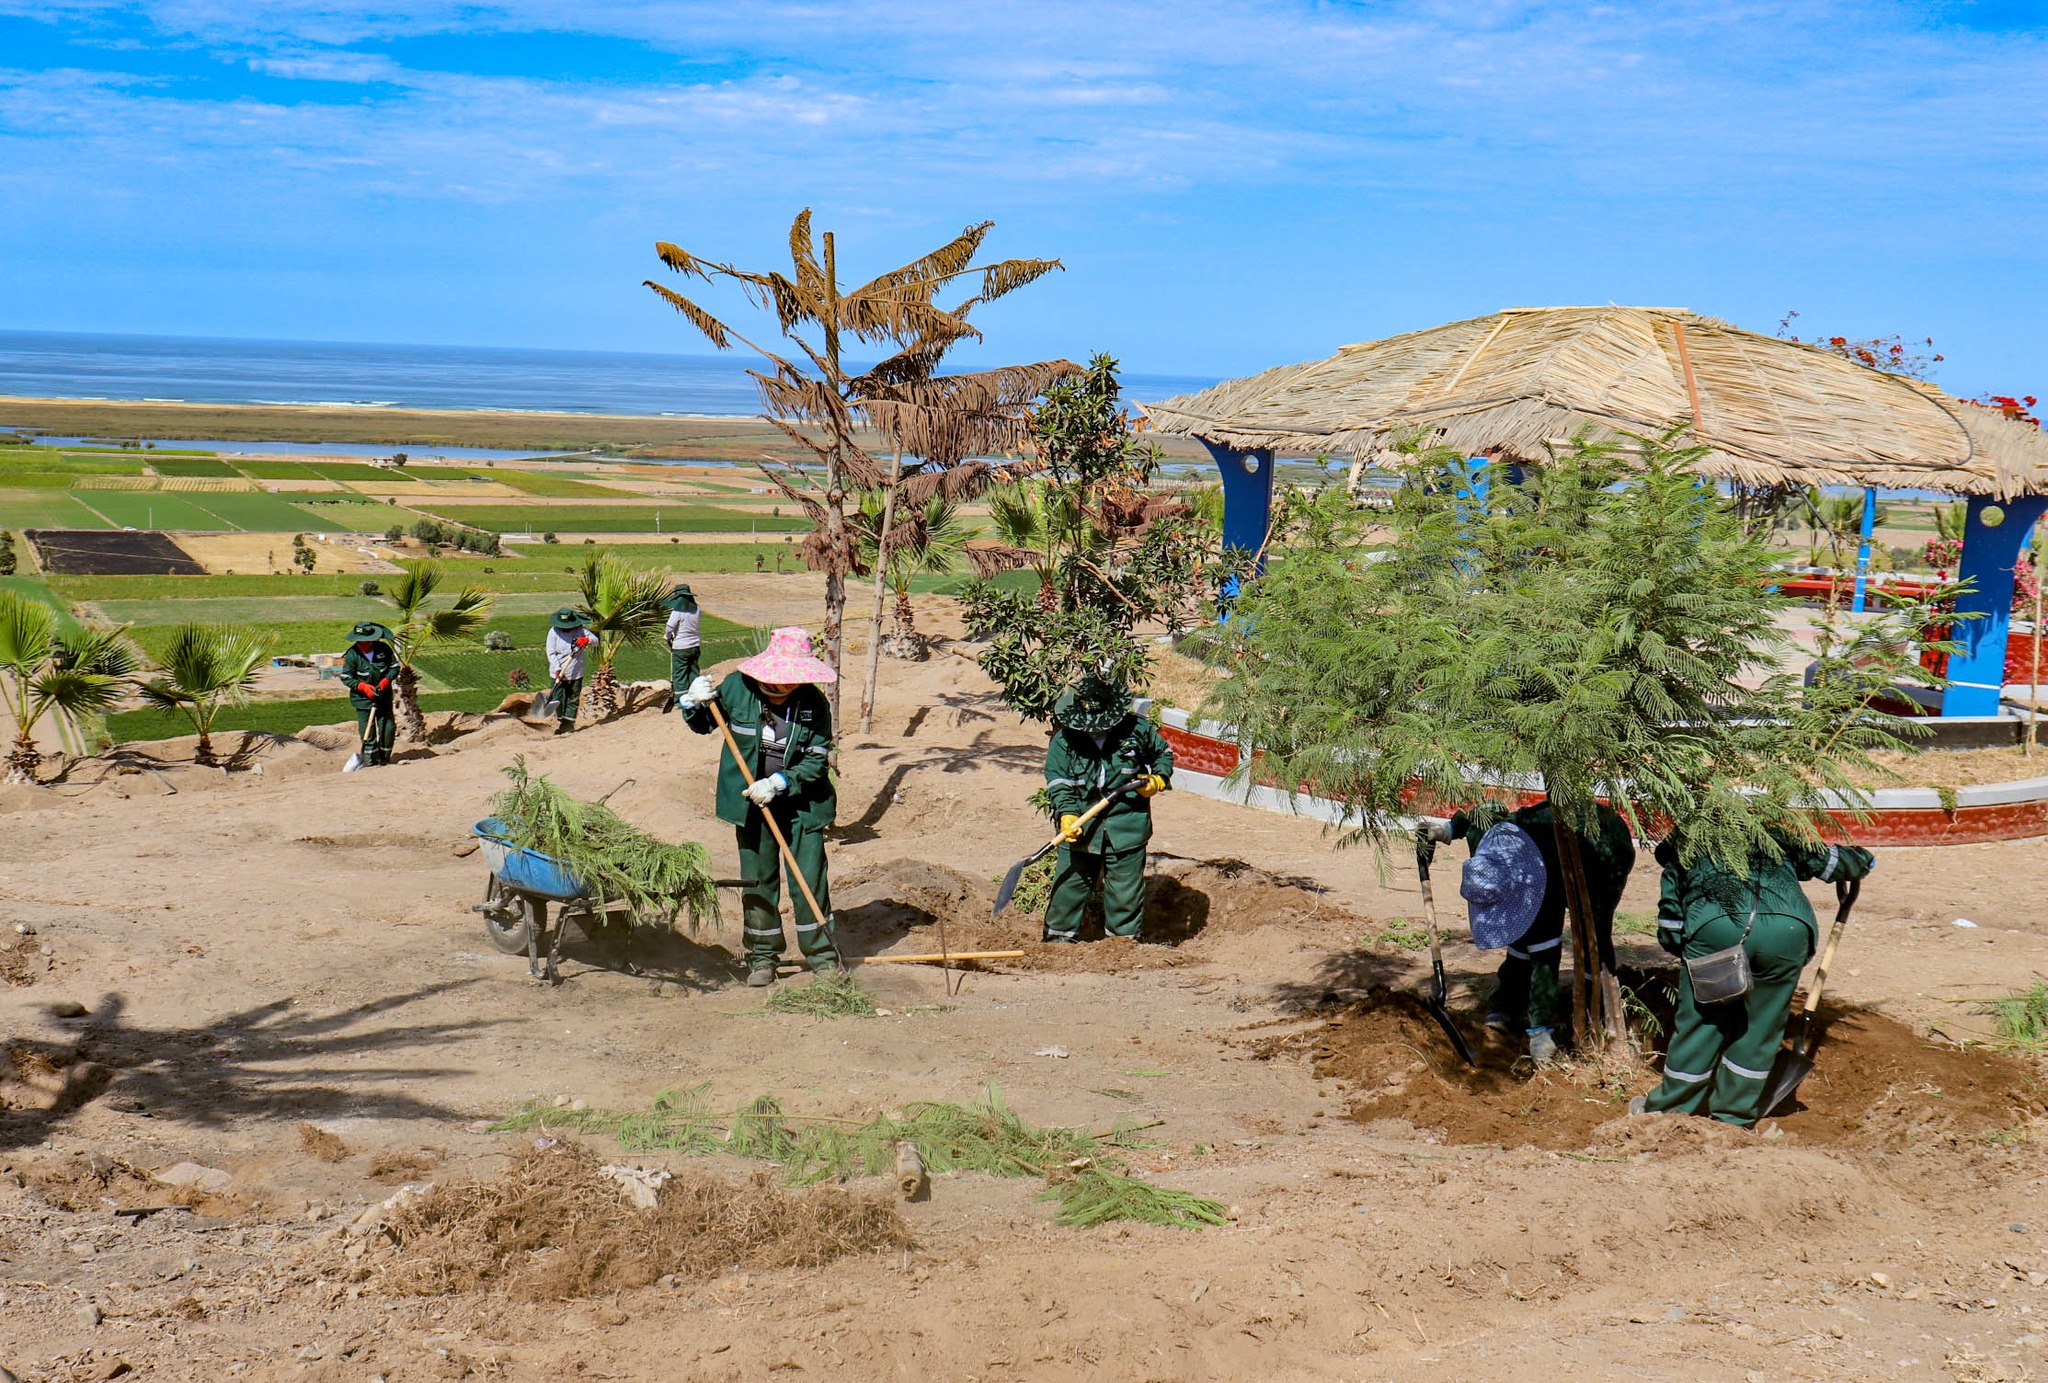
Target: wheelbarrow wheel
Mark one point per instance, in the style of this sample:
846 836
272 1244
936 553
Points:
509 917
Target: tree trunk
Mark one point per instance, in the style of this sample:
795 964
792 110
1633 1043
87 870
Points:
835 497
604 689
406 705
904 640
23 760
867 701
202 754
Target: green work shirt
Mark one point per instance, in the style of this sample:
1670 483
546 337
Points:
805 767
1691 898
372 667
1078 772
1608 857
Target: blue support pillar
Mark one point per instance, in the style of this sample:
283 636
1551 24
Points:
1977 674
1247 496
1863 548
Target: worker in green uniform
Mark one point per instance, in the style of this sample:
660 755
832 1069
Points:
1525 994
682 633
1721 1055
1101 749
783 725
566 642
370 672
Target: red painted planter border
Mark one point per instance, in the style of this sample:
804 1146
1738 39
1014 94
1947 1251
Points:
1967 824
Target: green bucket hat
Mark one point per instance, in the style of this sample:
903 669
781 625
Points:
681 598
369 631
1092 706
568 617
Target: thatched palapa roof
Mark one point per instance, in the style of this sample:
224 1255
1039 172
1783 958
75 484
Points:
1771 411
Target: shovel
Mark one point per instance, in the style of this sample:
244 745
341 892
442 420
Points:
1017 870
1795 1061
1437 987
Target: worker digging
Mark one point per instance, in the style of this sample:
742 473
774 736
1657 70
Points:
567 640
1742 936
370 670
1101 755
775 789
1514 887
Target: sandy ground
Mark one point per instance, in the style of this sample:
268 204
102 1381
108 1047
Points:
244 952
265 553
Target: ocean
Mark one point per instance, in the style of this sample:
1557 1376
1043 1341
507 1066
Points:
43 364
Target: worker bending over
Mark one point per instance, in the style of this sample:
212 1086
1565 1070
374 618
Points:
1721 1054
1101 750
782 724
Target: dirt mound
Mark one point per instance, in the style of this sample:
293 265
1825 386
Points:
550 1227
1185 901
1877 1084
92 1182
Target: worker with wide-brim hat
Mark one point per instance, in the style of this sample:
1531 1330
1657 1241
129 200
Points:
1100 748
782 723
568 637
369 669
683 634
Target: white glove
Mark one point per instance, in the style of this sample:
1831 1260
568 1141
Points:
1436 829
766 790
700 692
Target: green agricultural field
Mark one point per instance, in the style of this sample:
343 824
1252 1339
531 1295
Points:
37 480
350 515
346 471
191 465
254 511
680 558
46 509
278 717
611 518
270 610
277 470
477 669
65 463
39 591
313 636
550 486
154 510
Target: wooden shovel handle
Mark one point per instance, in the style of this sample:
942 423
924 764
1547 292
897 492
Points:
1845 900
774 829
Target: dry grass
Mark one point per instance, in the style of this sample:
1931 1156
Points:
1178 680
325 1146
1955 768
549 1228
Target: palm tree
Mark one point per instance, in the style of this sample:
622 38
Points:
928 541
622 608
43 673
415 626
819 401
207 667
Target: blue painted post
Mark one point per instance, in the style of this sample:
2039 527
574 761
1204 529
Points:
1977 674
1863 548
1247 497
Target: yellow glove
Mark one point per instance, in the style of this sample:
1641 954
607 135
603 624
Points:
1151 785
1070 828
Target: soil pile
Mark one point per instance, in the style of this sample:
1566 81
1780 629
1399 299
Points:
550 1227
1877 1084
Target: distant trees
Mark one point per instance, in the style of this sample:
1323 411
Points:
434 532
6 553
302 555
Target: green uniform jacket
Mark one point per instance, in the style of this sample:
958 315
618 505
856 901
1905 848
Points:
372 667
810 739
1689 899
1078 774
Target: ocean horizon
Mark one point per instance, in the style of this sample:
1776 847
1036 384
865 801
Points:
213 370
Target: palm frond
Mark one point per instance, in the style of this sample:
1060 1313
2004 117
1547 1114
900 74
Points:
925 273
714 331
28 632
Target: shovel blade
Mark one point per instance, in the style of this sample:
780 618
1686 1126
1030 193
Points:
1791 1067
1450 1027
1009 884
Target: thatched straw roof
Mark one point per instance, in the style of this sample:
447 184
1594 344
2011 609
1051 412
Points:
1772 411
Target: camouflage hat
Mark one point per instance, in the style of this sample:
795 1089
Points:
1092 705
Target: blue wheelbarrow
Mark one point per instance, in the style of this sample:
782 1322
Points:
515 906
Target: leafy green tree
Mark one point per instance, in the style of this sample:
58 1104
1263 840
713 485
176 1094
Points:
414 627
622 609
929 541
1111 554
1607 629
206 668
7 558
43 673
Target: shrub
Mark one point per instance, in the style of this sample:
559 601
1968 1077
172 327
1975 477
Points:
498 641
394 533
367 588
549 538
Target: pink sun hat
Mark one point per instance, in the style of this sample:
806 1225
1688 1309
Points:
788 658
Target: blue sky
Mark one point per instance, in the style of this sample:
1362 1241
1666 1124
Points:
1231 184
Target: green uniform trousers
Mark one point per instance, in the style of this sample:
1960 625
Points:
762 868
1721 1055
568 699
377 727
682 669
1074 875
